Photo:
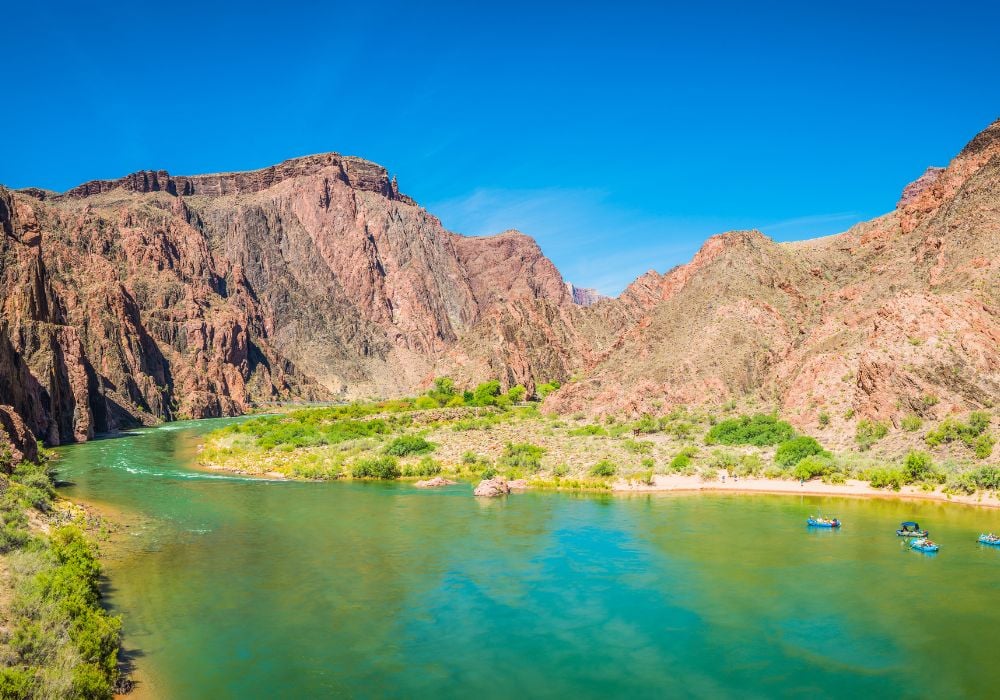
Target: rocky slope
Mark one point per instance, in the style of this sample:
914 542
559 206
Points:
160 296
899 315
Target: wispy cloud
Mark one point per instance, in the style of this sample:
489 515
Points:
594 242
812 226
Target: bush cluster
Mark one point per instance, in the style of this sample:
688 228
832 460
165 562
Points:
869 432
604 468
791 452
973 434
758 430
523 457
408 445
385 467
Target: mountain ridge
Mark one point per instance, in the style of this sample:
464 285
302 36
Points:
156 296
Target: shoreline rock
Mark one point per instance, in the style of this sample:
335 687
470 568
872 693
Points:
436 482
492 488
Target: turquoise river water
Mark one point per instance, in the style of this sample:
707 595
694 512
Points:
242 588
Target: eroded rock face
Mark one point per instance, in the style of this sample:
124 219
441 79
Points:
158 296
492 488
17 444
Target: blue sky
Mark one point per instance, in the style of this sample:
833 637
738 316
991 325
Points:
620 135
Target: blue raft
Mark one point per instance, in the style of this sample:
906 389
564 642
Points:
924 545
990 539
823 522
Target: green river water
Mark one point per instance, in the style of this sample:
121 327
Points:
240 588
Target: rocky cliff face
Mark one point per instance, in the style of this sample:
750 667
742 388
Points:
158 296
583 295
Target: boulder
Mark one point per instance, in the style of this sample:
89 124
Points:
434 483
491 488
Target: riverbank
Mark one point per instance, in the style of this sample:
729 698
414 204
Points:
852 488
56 639
682 450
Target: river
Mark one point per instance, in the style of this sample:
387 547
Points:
244 588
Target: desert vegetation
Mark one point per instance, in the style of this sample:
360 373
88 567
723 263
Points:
56 641
482 432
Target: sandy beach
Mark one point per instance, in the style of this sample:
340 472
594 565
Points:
851 487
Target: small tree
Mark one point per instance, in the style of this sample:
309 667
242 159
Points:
516 393
918 466
793 451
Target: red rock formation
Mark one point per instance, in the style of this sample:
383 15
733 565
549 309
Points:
160 296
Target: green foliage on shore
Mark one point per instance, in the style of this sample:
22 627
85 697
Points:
986 478
791 452
408 445
886 478
385 467
60 642
427 466
758 430
952 429
604 468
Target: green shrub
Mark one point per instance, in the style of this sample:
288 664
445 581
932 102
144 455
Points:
912 423
750 465
17 684
642 447
543 390
427 466
724 459
824 418
756 430
604 468
682 460
385 467
444 392
886 478
869 432
522 455
972 434
961 483
812 466
425 402
486 393
986 478
646 424
918 466
516 393
774 472
588 430
408 445
982 446
791 452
